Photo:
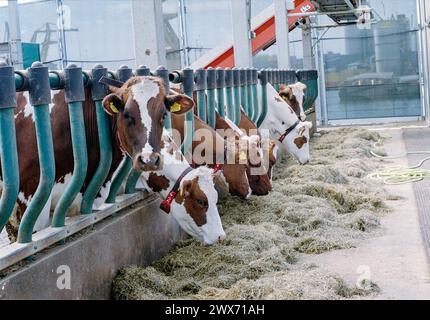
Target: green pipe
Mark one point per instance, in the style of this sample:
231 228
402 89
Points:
55 80
9 165
201 86
229 103
220 102
80 157
130 185
228 84
236 92
220 85
201 105
211 108
188 84
45 150
121 174
263 79
211 85
105 162
256 113
244 99
250 103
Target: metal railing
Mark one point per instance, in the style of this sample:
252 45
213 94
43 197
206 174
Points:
226 91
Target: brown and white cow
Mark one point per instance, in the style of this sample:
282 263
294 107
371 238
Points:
250 128
190 194
233 172
294 95
137 117
257 167
283 125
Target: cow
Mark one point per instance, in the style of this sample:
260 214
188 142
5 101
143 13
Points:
258 178
294 95
233 172
137 111
249 128
257 167
189 193
282 125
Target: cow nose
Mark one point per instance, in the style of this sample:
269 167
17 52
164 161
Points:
155 160
305 163
145 163
221 238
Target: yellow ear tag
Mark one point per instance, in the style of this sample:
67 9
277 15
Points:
175 107
242 156
113 108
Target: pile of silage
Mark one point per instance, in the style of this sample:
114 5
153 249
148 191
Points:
323 206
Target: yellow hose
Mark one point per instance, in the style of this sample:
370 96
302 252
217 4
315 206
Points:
400 175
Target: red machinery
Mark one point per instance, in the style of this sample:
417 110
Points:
265 36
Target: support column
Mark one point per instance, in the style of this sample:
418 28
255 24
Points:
148 27
241 17
321 105
15 34
424 15
281 23
308 59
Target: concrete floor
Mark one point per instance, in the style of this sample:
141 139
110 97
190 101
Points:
395 259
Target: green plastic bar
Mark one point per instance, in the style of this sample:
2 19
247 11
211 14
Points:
263 80
201 85
130 185
229 103
105 161
211 85
250 102
55 81
188 84
256 108
244 92
80 157
123 171
201 105
237 114
45 150
220 102
9 165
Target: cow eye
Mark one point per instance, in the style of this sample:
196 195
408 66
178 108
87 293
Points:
201 202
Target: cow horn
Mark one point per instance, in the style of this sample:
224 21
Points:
111 83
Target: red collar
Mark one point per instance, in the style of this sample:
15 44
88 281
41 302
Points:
166 203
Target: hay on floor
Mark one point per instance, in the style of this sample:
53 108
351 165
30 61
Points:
326 205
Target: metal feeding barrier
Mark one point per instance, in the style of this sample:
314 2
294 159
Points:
226 91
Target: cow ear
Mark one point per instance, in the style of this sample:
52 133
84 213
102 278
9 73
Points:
113 104
178 103
185 188
308 124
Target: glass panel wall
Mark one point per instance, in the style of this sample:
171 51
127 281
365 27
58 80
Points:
209 24
374 73
99 31
38 25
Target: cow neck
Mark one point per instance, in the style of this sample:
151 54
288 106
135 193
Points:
175 171
288 131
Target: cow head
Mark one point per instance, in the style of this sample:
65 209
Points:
284 126
297 142
140 107
294 95
195 207
259 180
234 170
